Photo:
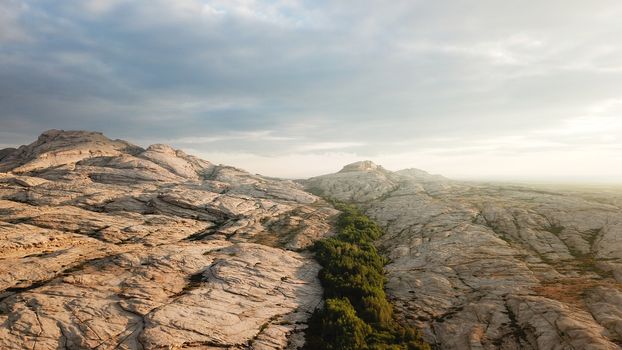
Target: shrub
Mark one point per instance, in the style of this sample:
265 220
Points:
357 314
338 327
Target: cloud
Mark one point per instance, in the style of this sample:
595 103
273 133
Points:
10 28
320 146
100 7
277 78
262 135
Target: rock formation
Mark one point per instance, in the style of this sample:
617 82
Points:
105 245
484 266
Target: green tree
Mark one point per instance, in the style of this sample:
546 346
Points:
357 314
338 327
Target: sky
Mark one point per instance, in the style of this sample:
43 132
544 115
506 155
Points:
487 89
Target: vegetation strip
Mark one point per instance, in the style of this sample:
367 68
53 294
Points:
356 313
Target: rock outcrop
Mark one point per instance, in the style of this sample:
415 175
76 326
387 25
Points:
106 245
484 266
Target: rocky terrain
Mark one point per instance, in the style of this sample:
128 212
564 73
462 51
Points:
485 266
106 245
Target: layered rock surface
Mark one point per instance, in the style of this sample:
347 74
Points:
105 245
485 266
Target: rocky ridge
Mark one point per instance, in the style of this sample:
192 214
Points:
484 266
106 245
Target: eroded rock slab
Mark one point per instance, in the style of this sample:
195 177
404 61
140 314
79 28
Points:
104 244
484 266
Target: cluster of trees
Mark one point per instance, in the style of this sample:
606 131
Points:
356 313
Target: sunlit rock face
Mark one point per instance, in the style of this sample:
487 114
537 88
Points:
104 244
482 266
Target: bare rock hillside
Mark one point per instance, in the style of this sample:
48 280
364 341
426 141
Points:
105 245
484 266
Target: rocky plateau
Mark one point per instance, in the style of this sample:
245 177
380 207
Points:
105 245
490 266
108 245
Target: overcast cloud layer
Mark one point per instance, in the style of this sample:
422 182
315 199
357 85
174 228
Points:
470 89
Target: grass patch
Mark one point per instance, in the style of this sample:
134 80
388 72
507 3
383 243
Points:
356 314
